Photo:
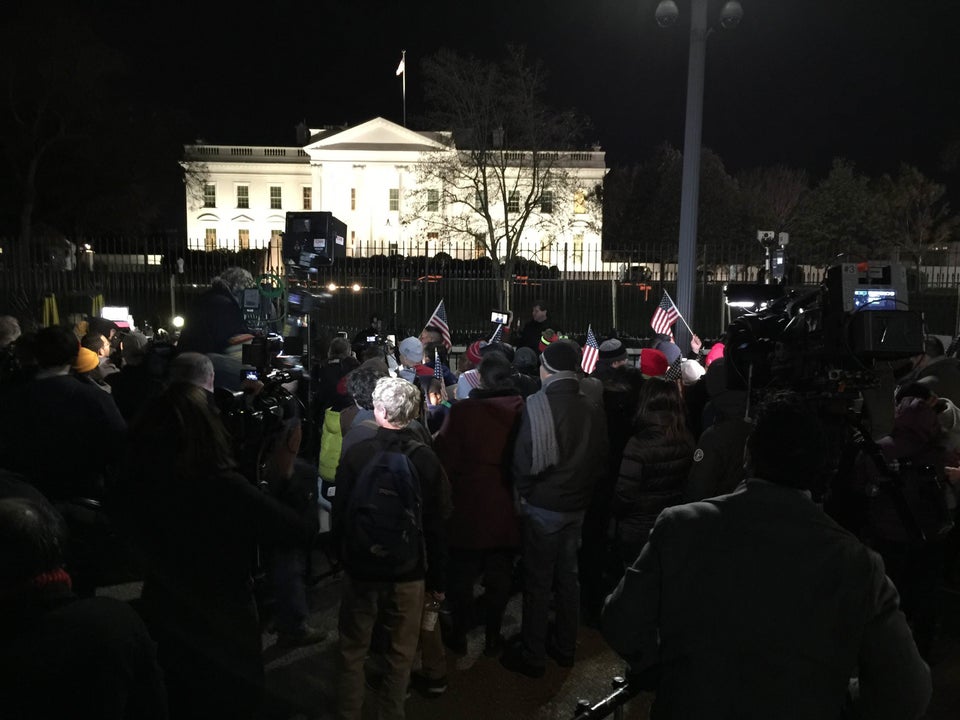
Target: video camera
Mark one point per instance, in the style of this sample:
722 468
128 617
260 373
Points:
257 416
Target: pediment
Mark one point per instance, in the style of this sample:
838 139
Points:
381 135
242 219
208 217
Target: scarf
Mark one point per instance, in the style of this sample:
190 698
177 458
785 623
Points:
543 432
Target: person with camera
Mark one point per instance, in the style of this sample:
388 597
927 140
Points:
198 523
368 336
757 604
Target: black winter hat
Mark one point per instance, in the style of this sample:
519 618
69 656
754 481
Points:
561 355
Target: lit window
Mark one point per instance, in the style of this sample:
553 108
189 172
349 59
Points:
244 239
578 248
546 202
579 202
479 245
433 236
513 203
276 197
243 196
394 199
210 240
308 198
210 195
433 200
353 198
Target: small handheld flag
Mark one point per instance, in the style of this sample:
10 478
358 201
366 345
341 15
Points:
664 316
439 321
591 351
497 334
437 370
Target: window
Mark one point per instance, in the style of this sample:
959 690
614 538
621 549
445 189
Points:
210 195
244 239
308 198
243 196
579 202
513 202
479 245
578 248
433 200
353 198
394 198
433 237
276 197
210 240
546 202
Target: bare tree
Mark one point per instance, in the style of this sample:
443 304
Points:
510 166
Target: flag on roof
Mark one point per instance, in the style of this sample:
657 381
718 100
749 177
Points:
665 316
591 351
675 371
439 321
402 67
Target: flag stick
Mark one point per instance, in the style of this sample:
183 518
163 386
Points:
404 61
678 313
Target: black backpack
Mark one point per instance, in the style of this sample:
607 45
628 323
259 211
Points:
383 519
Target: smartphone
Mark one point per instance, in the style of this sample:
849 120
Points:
392 339
500 317
250 374
343 334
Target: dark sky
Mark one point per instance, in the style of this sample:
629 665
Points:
799 82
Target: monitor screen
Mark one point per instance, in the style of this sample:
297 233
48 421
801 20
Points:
875 299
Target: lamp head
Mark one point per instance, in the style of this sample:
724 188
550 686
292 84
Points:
731 14
667 13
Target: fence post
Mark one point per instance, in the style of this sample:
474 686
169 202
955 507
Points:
173 296
613 298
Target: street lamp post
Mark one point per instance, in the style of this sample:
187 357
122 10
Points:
666 15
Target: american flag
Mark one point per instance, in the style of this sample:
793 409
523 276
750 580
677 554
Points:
439 321
591 351
437 370
497 334
665 316
675 371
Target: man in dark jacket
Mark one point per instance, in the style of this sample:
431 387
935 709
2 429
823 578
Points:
366 593
560 453
737 602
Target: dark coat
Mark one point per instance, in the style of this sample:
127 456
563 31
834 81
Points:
717 466
211 321
475 446
61 657
581 433
653 474
745 599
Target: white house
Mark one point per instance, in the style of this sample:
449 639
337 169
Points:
367 176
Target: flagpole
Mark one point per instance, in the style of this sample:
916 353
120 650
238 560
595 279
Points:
678 313
403 61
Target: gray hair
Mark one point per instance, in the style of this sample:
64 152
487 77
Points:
234 279
9 330
193 368
399 398
32 537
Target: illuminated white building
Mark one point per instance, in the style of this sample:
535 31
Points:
367 176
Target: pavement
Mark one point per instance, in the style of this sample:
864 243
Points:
301 681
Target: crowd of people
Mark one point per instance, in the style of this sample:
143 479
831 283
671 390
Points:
648 497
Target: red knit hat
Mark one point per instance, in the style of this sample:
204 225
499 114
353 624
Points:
653 363
473 351
715 352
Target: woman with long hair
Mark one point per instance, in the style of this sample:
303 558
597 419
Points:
198 523
655 464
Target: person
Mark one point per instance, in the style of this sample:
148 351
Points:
368 336
431 334
610 356
77 414
138 380
411 355
933 362
60 655
656 460
737 602
214 323
475 446
560 453
534 328
198 524
9 362
367 590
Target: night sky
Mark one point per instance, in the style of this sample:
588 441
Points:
799 82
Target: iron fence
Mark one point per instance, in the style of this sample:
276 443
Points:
158 279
